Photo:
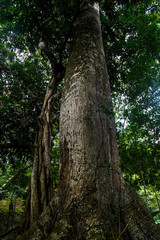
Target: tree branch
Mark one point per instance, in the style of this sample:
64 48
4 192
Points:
42 45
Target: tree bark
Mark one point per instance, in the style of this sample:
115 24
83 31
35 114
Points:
93 201
89 163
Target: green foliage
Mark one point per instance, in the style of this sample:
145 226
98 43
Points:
15 183
153 201
15 179
131 40
20 79
49 20
10 218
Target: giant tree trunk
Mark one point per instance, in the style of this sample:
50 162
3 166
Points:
89 171
93 201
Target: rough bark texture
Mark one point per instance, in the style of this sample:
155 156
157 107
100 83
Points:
93 200
89 171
